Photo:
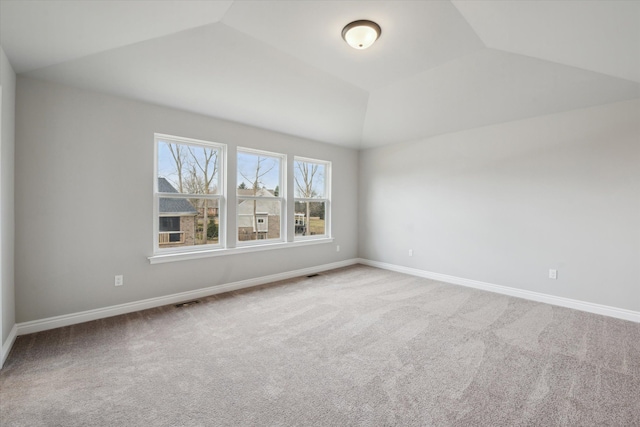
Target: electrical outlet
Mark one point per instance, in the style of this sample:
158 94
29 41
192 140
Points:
119 280
410 252
337 248
553 274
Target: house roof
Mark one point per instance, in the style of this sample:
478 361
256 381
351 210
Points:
170 205
248 192
262 206
438 67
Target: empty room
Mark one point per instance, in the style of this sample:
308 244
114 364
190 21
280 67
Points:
320 213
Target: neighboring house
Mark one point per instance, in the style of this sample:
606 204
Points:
266 222
177 219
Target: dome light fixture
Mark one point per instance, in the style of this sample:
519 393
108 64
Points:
361 34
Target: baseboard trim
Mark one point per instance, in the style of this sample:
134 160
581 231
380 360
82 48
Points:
7 344
605 310
40 325
115 310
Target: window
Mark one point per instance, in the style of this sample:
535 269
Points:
260 208
312 202
191 208
170 230
189 194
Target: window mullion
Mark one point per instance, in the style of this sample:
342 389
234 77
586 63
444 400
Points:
188 196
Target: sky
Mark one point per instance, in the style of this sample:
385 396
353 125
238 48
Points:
247 164
318 184
167 165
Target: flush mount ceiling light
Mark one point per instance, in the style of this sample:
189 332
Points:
361 34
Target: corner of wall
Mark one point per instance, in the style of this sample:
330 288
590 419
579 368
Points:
7 237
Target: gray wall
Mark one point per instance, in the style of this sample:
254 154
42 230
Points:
84 180
500 204
503 204
7 146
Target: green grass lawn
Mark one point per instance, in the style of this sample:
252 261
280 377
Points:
316 225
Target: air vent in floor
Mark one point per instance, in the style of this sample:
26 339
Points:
187 304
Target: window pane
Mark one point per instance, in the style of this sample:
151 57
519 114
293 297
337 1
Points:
309 180
258 219
185 168
188 222
310 218
258 175
169 223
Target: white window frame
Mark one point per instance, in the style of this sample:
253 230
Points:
230 246
220 197
326 199
282 192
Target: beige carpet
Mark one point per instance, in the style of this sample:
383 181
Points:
355 346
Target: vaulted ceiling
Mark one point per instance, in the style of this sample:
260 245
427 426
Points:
439 66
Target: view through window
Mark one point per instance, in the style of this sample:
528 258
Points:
311 189
189 193
260 202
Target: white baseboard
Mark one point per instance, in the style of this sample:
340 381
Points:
101 313
605 310
6 346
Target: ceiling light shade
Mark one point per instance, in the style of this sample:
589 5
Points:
361 34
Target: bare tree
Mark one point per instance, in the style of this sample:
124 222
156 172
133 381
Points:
179 154
202 172
304 184
255 181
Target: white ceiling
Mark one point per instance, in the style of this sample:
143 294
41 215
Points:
439 66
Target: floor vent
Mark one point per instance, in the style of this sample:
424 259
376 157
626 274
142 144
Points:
312 275
187 304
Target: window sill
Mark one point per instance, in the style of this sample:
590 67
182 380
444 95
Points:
183 256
